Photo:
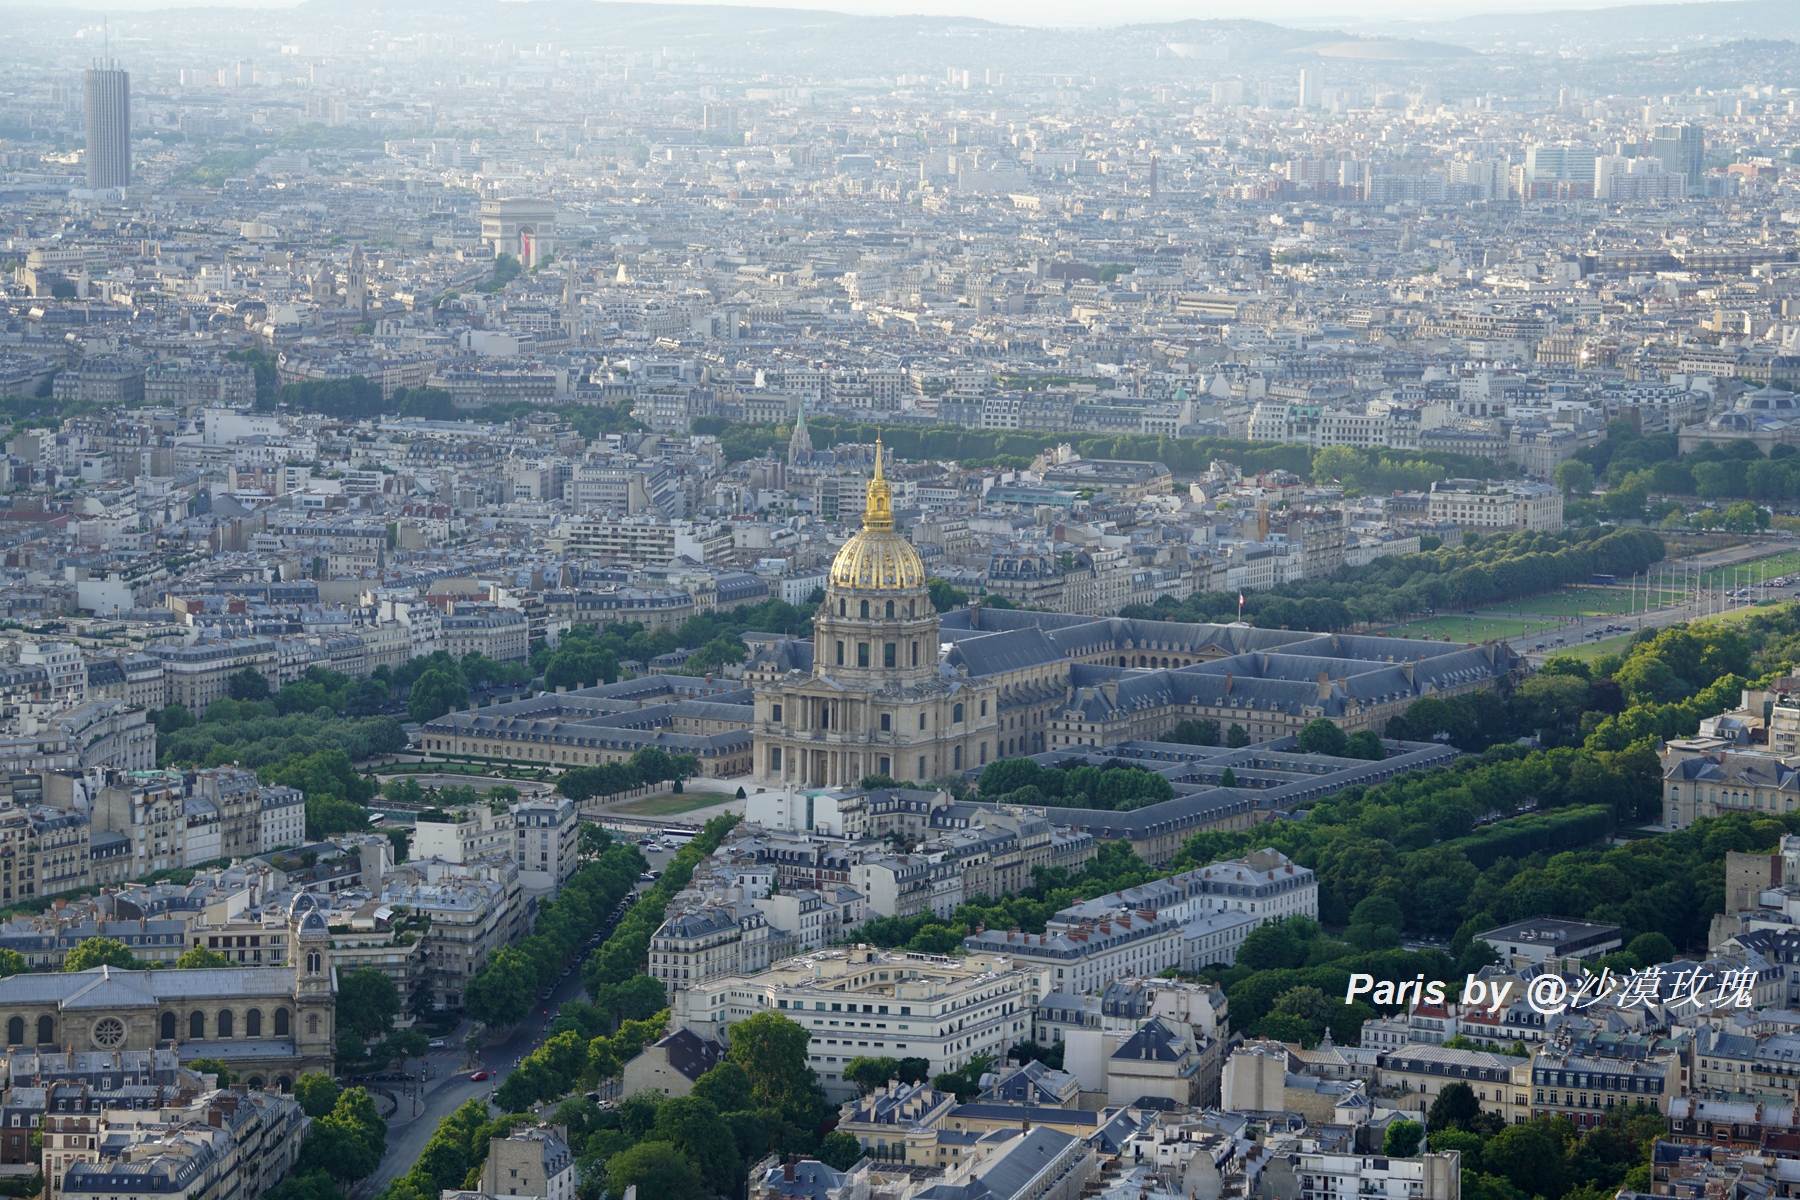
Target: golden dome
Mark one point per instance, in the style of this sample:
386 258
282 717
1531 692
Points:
878 558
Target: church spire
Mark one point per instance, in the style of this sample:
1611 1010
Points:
800 446
878 514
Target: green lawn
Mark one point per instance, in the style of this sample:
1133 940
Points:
1460 628
1616 645
1785 563
668 804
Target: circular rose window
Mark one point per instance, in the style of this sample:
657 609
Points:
109 1032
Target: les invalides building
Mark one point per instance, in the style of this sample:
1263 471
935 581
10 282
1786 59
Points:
875 699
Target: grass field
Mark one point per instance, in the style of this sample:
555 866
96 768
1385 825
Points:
1785 563
1616 645
1478 628
668 804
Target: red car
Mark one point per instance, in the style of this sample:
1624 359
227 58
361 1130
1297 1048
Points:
478 1076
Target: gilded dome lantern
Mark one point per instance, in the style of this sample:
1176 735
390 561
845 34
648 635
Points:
878 559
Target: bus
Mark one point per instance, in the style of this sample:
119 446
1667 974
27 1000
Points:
682 836
377 818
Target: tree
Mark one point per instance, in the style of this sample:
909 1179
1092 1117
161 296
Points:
501 992
693 1126
944 598
1322 736
317 1093
101 952
840 1150
1228 778
212 1066
658 1170
172 719
247 684
337 1147
1530 1155
1307 1003
435 693
869 1073
726 1086
196 957
368 1001
1575 477
637 999
1402 1140
1364 744
773 1050
1237 736
1454 1108
12 963
1651 948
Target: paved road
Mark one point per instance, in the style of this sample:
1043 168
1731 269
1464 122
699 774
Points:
450 1087
1574 633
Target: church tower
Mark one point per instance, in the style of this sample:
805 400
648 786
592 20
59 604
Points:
800 446
877 700
315 987
356 290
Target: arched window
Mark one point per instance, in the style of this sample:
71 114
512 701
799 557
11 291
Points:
168 1027
256 1082
912 608
46 1031
225 1023
284 1083
840 608
865 610
956 755
253 1023
15 1032
281 1022
890 610
956 714
197 1026
313 959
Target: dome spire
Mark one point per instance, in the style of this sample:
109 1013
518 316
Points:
878 514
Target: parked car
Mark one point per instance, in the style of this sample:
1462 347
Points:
438 1043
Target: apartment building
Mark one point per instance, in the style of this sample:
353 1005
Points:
283 822
1501 1082
1085 956
148 808
136 679
1493 504
503 635
1584 1090
473 912
198 673
693 948
546 841
238 798
462 835
875 1003
534 1163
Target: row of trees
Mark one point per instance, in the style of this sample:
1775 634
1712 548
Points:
668 1149
587 655
251 734
1485 569
626 951
647 765
1117 786
501 992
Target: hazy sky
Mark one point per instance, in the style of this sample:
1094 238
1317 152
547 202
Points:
1334 13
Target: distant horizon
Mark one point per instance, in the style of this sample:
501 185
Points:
1056 13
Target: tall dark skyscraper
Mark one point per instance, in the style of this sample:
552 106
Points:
108 127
